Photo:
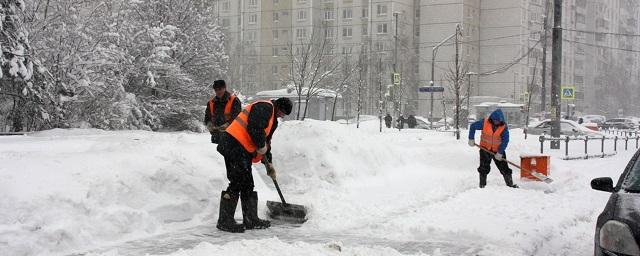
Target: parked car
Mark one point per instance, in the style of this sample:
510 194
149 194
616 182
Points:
618 226
619 123
598 119
567 127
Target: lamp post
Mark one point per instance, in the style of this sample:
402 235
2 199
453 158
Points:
469 74
433 65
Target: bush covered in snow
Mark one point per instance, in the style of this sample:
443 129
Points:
114 64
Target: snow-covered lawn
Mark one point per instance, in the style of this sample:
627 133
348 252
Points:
73 191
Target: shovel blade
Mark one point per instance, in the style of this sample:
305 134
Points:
290 212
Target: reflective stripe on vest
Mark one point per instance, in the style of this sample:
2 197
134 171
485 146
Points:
227 109
491 140
238 129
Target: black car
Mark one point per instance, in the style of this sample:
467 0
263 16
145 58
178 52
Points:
619 123
618 226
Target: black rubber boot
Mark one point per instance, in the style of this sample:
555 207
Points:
509 181
250 218
483 180
226 222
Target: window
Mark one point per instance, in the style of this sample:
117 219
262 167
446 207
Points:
253 3
379 46
347 13
329 14
580 18
365 29
382 28
329 33
275 52
302 15
302 1
253 18
578 79
600 37
275 34
274 70
347 32
276 1
365 12
382 10
251 36
346 50
276 17
301 33
226 6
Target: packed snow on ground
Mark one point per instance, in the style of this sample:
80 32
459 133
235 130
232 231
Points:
72 191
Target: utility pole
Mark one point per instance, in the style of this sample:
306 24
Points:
433 66
457 85
543 89
514 86
380 102
395 63
556 72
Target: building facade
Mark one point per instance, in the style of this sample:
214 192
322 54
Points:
500 47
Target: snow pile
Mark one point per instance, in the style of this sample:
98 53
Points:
73 190
274 246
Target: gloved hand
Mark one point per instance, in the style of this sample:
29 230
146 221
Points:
499 157
271 171
211 127
224 126
262 150
472 143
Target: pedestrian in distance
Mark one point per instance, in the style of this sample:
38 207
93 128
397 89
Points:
221 110
400 122
412 122
387 120
494 138
246 141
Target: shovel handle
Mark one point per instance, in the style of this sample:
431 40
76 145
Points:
279 192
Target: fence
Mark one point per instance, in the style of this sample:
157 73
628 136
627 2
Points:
586 140
621 132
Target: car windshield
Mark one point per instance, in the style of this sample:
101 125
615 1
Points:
632 181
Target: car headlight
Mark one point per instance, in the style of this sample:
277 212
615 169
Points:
616 236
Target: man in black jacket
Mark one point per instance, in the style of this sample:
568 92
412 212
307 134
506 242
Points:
221 110
247 140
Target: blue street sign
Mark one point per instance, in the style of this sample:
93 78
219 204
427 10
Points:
431 89
568 93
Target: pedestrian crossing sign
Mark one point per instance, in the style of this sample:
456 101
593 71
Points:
396 78
568 93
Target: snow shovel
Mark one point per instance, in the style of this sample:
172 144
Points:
284 211
538 175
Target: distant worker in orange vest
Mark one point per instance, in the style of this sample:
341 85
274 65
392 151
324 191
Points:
495 138
221 110
248 140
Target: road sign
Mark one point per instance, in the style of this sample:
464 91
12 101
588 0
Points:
431 89
568 93
396 78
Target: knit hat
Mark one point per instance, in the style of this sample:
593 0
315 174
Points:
284 104
219 84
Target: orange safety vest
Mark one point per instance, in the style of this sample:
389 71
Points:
491 140
227 108
238 129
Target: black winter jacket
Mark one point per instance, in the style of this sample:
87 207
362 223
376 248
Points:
259 116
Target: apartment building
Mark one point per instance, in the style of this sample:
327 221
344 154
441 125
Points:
500 45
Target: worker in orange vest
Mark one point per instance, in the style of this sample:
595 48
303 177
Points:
248 140
221 110
495 138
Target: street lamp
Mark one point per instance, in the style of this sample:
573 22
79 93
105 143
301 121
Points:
469 74
433 65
